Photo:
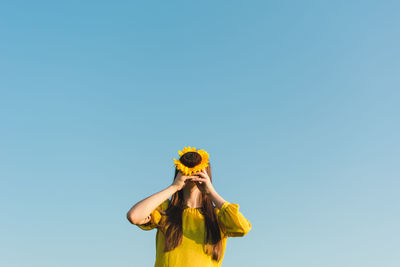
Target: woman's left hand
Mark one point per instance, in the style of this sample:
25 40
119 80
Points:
203 182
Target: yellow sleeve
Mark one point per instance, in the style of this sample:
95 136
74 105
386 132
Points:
231 220
155 217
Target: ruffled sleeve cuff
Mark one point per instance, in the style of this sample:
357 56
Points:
231 220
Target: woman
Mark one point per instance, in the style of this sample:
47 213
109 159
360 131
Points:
190 230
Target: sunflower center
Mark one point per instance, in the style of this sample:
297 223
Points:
190 159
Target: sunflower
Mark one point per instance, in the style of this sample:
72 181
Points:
191 160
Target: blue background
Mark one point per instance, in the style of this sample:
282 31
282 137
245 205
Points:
297 103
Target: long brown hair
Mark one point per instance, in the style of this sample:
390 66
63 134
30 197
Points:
172 225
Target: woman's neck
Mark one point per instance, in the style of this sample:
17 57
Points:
192 197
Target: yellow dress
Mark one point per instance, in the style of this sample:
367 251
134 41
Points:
190 252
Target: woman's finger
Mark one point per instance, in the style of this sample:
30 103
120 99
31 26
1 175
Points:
201 174
199 179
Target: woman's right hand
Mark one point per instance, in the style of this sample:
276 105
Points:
181 180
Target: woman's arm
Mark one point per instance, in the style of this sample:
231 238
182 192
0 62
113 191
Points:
140 212
216 198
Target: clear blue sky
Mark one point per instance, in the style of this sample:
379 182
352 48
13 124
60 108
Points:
297 103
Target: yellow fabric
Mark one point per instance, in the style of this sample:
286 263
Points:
190 253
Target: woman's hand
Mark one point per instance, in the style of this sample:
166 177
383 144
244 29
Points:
203 182
181 180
